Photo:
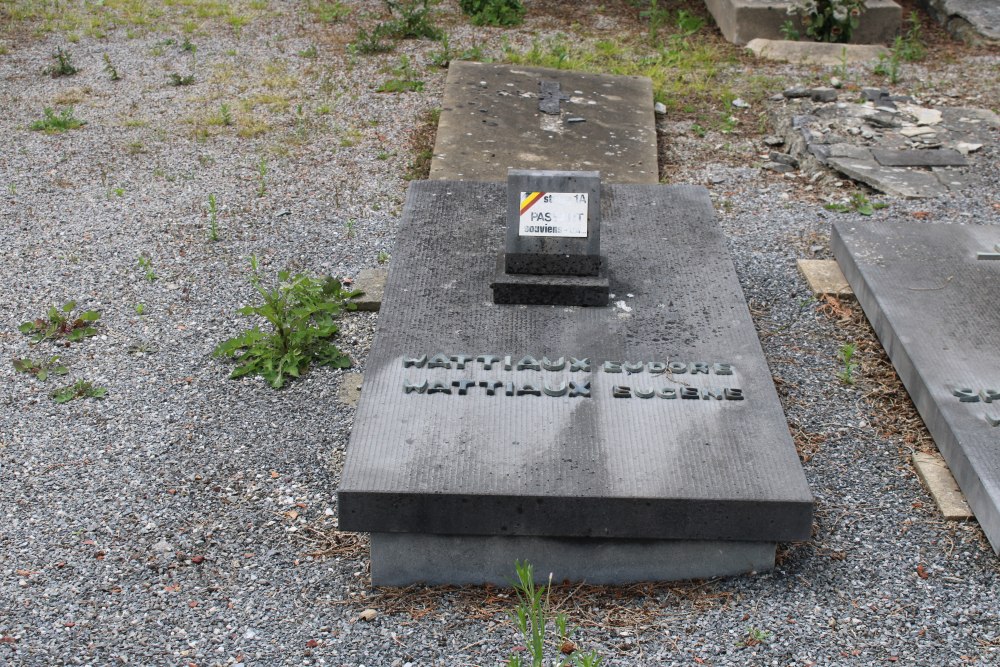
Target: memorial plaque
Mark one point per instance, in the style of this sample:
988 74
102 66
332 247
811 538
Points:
553 222
932 298
648 430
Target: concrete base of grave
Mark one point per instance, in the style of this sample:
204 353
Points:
743 20
401 559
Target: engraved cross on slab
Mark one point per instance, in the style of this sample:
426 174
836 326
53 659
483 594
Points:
990 255
550 96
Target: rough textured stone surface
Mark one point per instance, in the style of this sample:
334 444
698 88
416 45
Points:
400 559
350 389
934 307
490 122
742 21
971 20
552 290
815 53
891 180
919 158
560 466
824 277
934 473
372 283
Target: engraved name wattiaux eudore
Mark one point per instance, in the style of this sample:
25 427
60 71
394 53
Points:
567 376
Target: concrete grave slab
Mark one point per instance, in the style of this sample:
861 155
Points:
491 122
824 277
890 180
586 430
934 306
933 472
744 20
815 53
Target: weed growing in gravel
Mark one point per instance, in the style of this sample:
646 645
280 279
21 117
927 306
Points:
411 20
176 79
261 177
63 65
350 226
494 12
383 257
302 313
110 69
12 189
53 124
328 12
309 52
846 357
188 46
422 140
405 81
40 368
443 57
754 637
79 389
213 219
140 308
532 614
61 323
859 202
908 48
147 266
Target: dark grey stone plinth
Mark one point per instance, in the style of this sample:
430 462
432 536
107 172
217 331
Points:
935 307
654 419
400 559
554 252
582 290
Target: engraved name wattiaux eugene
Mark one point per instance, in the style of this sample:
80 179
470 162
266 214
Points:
553 214
969 395
569 376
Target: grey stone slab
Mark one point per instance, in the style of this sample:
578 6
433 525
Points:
744 20
554 252
844 149
553 290
967 19
814 53
490 122
934 306
401 559
448 458
890 180
941 157
933 472
372 283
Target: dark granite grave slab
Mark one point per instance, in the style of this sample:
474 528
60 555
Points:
935 307
942 157
562 456
513 288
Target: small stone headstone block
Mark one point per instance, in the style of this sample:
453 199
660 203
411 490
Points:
553 222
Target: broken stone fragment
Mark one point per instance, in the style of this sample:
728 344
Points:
792 93
773 140
823 94
783 158
778 167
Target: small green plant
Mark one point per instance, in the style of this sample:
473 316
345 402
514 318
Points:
350 226
176 79
188 45
40 368
829 20
371 41
302 313
413 20
858 202
79 389
261 177
443 57
55 124
63 65
140 308
213 218
499 13
848 366
147 266
887 66
405 80
910 47
532 615
688 23
225 115
328 11
12 189
62 323
789 31
657 18
110 69
754 636
309 52
383 257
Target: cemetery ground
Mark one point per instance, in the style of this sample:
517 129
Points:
182 517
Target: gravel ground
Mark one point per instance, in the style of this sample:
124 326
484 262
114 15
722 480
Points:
172 523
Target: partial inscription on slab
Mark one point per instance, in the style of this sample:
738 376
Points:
656 422
500 117
934 306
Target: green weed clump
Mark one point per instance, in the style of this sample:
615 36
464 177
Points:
56 124
532 615
61 323
302 314
79 389
494 12
63 65
40 368
411 19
